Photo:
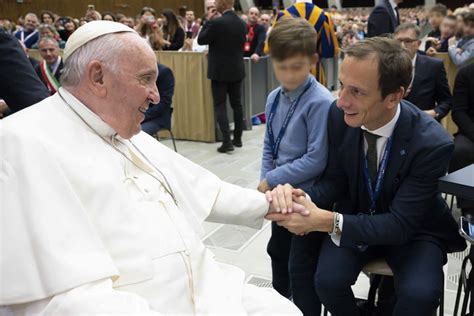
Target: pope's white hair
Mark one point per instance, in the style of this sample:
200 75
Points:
107 49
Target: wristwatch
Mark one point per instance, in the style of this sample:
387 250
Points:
336 229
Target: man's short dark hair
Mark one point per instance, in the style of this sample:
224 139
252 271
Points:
439 8
394 63
408 26
290 37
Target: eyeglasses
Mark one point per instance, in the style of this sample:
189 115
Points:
406 40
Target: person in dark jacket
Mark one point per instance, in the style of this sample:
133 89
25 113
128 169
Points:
20 87
158 116
226 36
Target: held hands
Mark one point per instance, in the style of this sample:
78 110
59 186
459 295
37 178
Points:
290 209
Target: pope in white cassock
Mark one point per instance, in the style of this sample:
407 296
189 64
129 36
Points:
99 218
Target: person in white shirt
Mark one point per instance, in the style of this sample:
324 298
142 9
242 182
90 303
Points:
99 218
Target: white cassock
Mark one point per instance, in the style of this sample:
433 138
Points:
85 231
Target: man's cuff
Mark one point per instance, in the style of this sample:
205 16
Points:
336 239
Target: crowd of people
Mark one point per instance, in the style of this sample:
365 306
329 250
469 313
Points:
171 31
369 161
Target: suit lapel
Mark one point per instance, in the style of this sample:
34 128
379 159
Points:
393 17
399 151
352 159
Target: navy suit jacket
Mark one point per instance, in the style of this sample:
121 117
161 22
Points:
463 101
226 36
382 20
430 89
20 87
161 113
410 207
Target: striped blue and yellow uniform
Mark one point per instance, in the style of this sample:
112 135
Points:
328 46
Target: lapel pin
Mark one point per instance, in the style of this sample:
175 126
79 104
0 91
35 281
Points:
402 152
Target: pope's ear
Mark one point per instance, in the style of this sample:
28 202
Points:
95 78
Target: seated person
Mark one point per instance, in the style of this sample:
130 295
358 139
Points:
385 159
47 30
463 51
436 14
448 30
463 116
101 219
429 89
158 116
49 70
28 35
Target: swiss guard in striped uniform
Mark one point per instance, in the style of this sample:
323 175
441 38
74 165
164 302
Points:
328 46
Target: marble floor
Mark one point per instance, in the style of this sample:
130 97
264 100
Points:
246 247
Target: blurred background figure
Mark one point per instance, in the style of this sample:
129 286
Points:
47 17
29 35
173 33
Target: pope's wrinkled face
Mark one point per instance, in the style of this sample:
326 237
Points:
132 88
360 96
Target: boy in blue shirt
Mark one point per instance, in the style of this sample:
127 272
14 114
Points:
295 150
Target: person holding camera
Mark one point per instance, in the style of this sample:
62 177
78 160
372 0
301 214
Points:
173 33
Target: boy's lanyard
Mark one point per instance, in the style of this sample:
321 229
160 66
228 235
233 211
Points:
275 143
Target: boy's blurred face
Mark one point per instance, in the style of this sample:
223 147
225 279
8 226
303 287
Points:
293 71
448 28
435 19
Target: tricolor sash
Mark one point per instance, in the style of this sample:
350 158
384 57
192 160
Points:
51 81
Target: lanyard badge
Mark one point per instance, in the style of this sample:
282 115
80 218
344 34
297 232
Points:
374 193
275 143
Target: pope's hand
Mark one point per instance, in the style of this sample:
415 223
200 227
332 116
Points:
316 220
295 222
282 196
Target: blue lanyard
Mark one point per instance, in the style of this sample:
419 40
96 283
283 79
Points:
275 144
374 194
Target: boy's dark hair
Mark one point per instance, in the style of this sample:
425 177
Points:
439 8
394 64
290 37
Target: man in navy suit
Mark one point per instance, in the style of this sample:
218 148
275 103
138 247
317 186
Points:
384 18
20 87
429 89
158 116
385 158
463 116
